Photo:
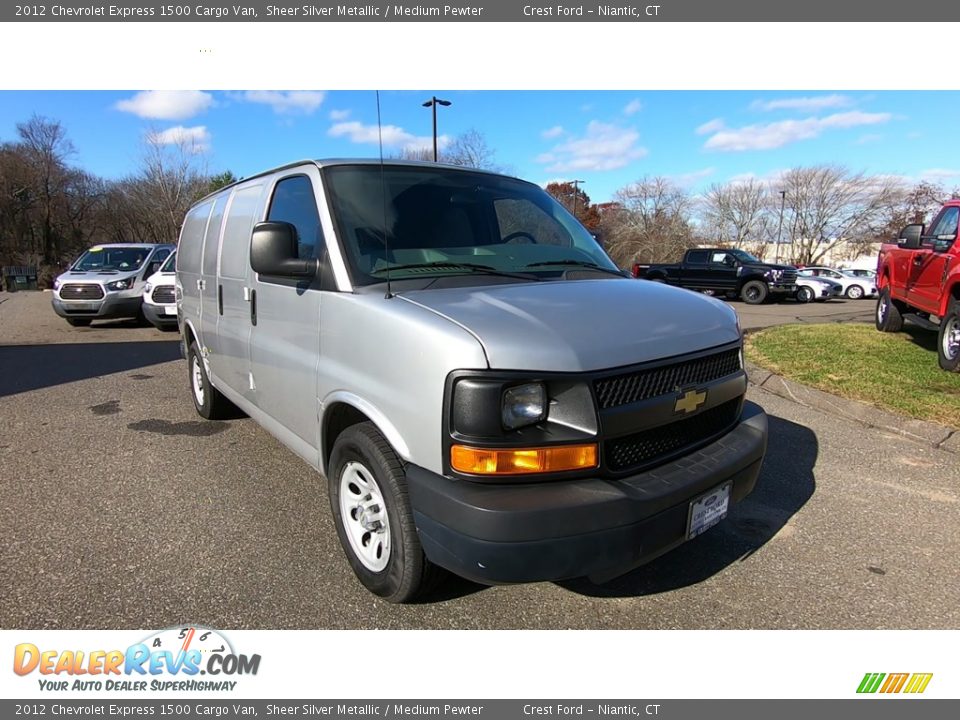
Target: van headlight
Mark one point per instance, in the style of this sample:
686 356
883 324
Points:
125 284
147 288
523 405
56 284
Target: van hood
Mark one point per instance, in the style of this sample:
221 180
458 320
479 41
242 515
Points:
582 325
95 276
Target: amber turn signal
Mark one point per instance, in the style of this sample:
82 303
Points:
519 461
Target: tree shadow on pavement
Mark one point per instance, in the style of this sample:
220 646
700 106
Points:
785 484
32 367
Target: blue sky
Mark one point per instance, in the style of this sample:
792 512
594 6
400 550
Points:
606 138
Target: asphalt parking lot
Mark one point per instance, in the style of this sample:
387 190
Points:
123 509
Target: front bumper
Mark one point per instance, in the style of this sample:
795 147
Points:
157 315
782 288
112 305
595 527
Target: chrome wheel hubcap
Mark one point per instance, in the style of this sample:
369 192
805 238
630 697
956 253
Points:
197 377
951 339
364 516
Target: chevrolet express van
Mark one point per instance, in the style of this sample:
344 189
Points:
481 386
106 282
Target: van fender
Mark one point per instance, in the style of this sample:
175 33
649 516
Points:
203 350
376 416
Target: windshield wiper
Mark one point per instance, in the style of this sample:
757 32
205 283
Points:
469 267
578 263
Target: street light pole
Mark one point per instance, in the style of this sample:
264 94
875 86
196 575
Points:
432 103
575 184
783 200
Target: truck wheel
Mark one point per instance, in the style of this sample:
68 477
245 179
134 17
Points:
888 316
368 497
854 292
754 292
804 295
79 322
209 402
948 346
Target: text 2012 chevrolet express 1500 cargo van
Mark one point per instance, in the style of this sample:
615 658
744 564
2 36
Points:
483 389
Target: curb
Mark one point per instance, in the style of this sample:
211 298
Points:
928 433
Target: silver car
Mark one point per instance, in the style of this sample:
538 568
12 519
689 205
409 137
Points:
481 386
106 282
854 287
817 288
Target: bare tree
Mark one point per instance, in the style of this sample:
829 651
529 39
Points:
651 222
737 215
470 149
828 207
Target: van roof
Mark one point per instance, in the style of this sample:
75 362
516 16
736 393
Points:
330 162
133 245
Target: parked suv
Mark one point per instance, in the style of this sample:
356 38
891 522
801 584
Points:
448 347
106 282
159 296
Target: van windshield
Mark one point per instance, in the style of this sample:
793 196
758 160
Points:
412 221
111 259
171 263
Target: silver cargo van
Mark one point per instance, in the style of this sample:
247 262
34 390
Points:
106 282
481 386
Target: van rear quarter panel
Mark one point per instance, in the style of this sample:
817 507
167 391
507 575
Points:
394 357
189 253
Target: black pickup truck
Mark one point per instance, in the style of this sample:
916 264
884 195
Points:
731 273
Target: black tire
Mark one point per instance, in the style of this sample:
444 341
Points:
804 294
79 322
855 292
948 339
888 316
754 292
407 572
213 405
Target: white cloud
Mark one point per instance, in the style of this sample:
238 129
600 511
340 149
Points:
710 127
294 101
602 147
554 132
940 175
338 115
633 107
692 178
195 138
803 104
166 104
773 135
393 136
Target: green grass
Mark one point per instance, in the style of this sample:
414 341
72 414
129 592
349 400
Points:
893 371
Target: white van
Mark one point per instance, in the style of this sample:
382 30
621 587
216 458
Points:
159 296
484 390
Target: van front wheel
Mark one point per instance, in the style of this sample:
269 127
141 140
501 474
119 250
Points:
368 497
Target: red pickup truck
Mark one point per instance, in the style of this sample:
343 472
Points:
919 280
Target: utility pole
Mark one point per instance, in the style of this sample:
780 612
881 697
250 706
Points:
576 189
783 200
433 102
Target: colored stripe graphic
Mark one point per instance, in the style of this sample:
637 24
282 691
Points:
918 683
894 683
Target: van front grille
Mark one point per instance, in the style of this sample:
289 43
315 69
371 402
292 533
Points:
76 291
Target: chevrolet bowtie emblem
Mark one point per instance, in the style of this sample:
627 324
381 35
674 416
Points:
690 401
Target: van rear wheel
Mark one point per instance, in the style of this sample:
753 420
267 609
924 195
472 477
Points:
209 402
368 497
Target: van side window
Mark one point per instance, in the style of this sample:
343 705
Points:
235 252
293 202
212 240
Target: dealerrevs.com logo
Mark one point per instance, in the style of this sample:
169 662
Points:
179 659
909 683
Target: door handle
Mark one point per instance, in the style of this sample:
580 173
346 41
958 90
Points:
200 284
918 260
253 307
220 299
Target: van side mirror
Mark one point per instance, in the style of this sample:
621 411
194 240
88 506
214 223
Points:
273 251
910 237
